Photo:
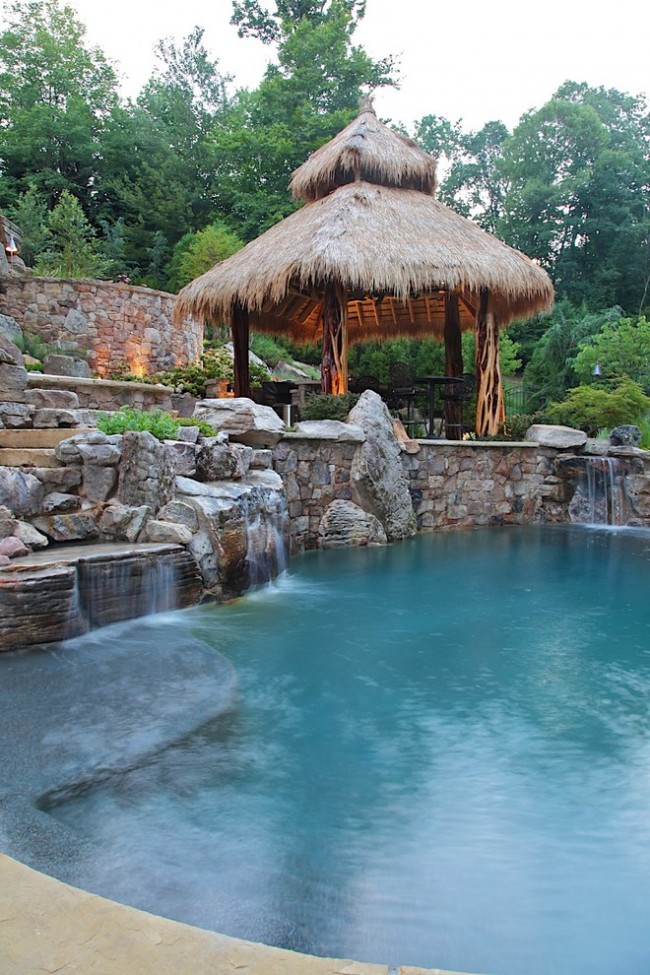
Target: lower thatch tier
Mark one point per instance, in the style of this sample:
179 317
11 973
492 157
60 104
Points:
369 318
392 250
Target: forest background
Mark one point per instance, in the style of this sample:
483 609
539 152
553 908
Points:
156 189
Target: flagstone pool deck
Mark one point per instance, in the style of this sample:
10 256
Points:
47 926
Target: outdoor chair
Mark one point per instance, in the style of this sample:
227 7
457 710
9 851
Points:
360 384
455 397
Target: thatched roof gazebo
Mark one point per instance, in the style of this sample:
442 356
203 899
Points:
373 255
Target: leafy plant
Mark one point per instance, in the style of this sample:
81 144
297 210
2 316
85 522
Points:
326 407
621 348
590 408
160 424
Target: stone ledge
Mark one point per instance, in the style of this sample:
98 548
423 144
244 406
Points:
49 926
490 444
43 380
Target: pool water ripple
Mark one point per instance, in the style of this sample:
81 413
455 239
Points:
437 755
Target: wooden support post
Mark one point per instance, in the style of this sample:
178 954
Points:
334 364
453 366
490 409
240 331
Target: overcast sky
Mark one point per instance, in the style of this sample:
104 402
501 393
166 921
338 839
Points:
468 60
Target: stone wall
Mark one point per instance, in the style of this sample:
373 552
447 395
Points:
467 485
452 485
107 394
315 472
114 325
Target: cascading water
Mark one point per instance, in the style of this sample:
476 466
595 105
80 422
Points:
267 549
126 588
599 498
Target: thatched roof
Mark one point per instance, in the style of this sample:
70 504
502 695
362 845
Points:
392 249
373 225
369 151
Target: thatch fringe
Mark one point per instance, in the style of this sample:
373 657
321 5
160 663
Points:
369 151
376 241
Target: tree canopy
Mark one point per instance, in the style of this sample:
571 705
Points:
153 187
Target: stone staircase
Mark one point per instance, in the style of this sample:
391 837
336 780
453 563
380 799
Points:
33 448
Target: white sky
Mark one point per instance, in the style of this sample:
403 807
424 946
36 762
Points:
468 60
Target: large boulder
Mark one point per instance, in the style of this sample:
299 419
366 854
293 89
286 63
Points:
53 399
66 365
20 491
377 476
122 523
146 472
13 375
10 328
626 435
218 461
329 430
345 523
90 447
16 416
243 420
550 435
79 526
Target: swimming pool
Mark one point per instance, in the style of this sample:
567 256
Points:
433 753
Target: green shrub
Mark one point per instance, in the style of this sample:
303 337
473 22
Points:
161 425
590 408
644 426
517 425
326 407
191 421
216 363
269 349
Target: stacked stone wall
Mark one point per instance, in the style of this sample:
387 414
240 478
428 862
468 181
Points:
456 485
452 485
314 473
116 326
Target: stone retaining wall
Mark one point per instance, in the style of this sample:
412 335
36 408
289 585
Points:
114 325
107 394
314 472
452 485
466 485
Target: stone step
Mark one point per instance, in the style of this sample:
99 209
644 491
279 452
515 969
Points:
36 439
28 457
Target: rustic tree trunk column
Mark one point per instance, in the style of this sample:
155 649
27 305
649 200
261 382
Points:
453 366
240 333
490 409
334 363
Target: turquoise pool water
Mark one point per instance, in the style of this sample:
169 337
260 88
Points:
438 755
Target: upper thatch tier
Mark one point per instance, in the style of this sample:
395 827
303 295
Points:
369 151
392 249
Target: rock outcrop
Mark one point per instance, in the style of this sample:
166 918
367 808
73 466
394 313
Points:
243 420
378 480
345 523
559 437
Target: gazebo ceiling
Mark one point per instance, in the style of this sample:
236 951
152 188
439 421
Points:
369 317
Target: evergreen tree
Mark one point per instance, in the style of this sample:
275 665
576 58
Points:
72 248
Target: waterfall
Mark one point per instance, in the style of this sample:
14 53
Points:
267 548
126 588
599 498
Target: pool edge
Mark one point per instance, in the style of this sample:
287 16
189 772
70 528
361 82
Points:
48 925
